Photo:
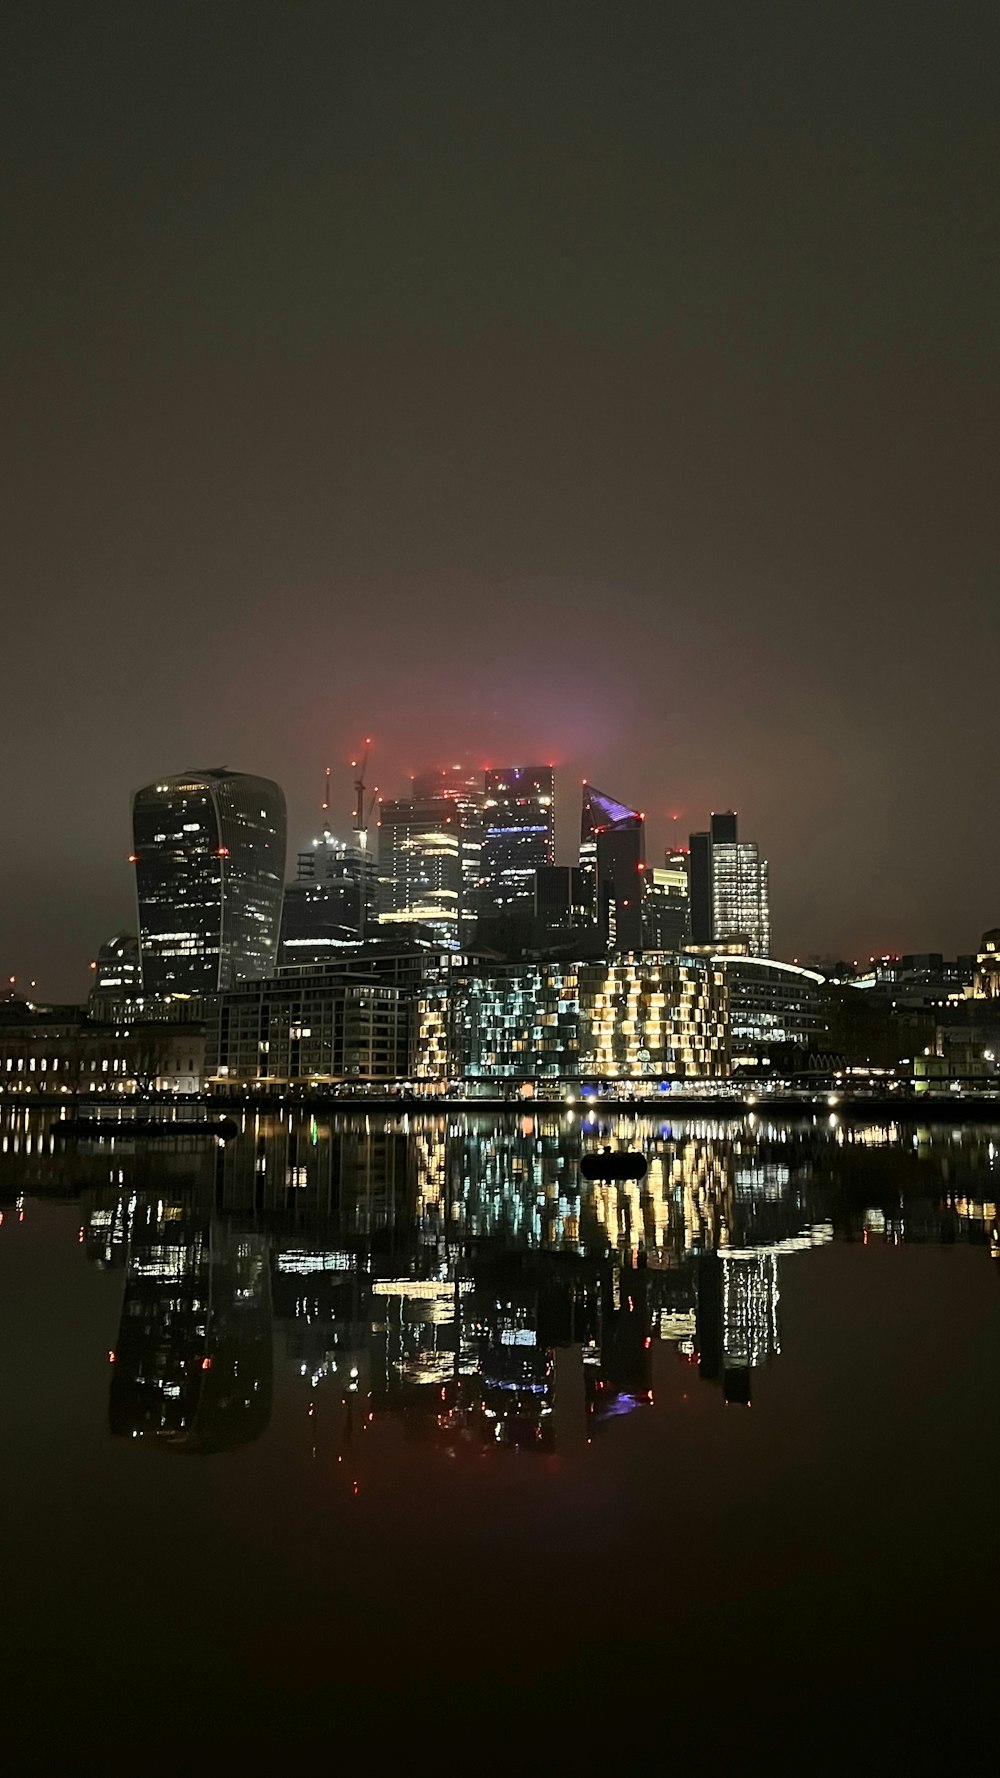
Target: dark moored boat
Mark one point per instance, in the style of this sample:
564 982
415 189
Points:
93 1128
613 1163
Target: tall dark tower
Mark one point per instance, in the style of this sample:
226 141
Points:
518 835
613 850
209 856
701 888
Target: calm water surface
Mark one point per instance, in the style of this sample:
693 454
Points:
390 1437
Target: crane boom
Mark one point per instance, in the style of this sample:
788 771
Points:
326 807
362 816
360 820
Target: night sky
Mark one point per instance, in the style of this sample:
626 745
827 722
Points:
612 385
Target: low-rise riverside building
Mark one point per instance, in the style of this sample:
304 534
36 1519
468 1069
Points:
773 1005
60 1050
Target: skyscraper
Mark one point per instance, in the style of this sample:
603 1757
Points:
563 897
666 903
318 919
518 835
209 856
700 854
464 792
193 1358
336 884
613 852
729 888
345 871
420 866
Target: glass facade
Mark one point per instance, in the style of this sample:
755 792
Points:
564 896
772 1004
209 855
518 835
700 887
740 907
666 904
334 864
319 919
465 794
420 866
729 888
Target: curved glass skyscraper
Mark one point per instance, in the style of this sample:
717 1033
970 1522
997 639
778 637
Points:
209 856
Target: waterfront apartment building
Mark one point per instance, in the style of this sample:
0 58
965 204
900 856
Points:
654 1017
209 856
729 888
311 1028
518 836
349 1019
420 866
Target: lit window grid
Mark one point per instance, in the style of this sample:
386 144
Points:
740 903
656 1018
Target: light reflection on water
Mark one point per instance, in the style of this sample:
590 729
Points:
458 1272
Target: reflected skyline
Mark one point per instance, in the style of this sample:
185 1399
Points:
451 1382
458 1275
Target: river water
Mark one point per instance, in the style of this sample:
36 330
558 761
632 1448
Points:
391 1437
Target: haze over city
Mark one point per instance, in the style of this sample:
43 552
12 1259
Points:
500 890
615 387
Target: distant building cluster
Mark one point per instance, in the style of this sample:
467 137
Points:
465 861
442 944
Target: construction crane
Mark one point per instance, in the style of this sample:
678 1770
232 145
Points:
327 835
363 811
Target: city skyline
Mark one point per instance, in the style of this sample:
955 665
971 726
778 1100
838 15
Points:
333 816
